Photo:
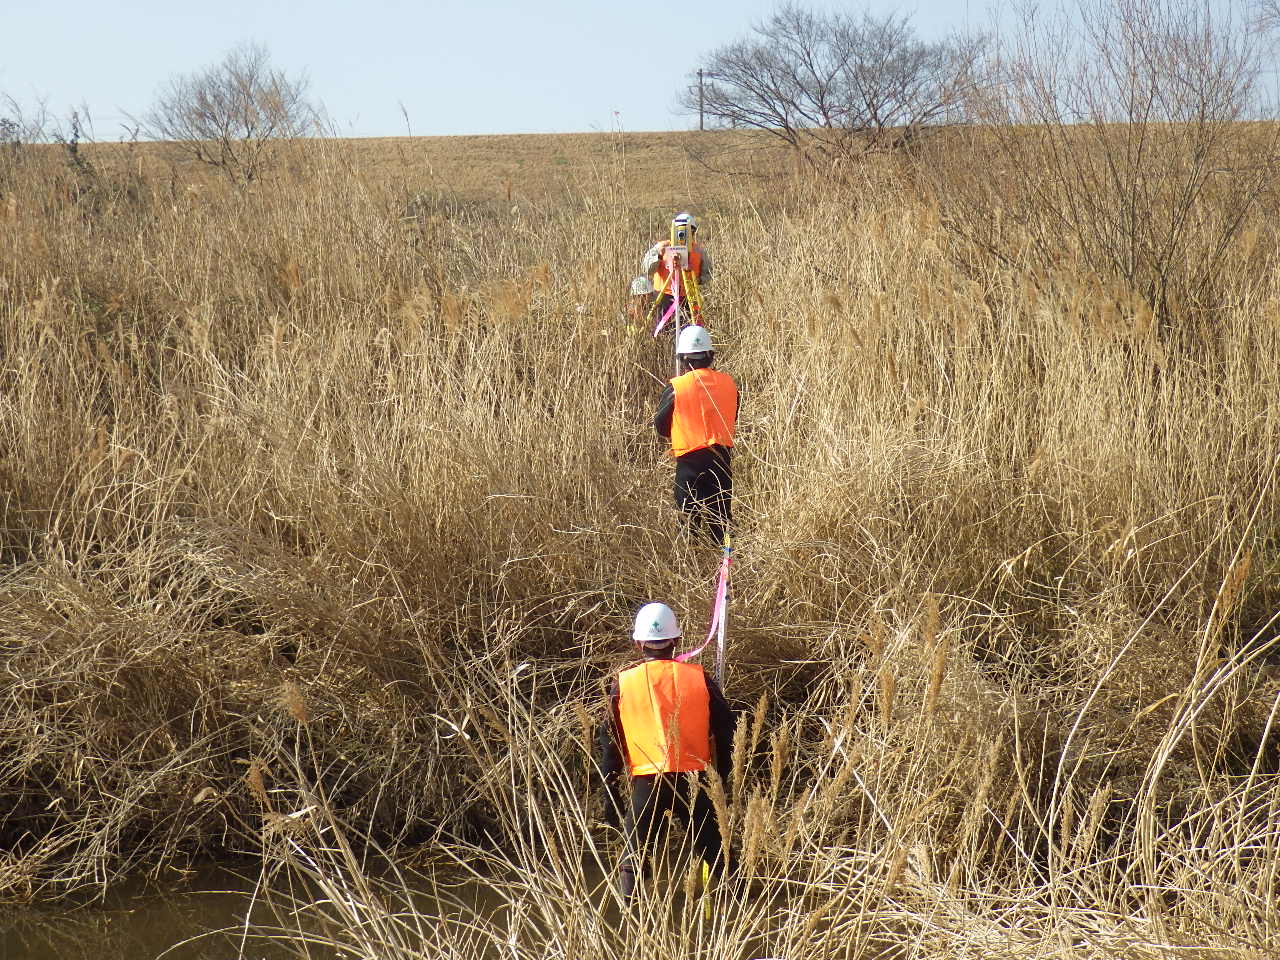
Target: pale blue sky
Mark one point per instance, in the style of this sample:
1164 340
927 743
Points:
487 66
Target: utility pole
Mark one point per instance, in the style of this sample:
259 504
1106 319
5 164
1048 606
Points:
700 100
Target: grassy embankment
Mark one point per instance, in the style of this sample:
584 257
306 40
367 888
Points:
296 479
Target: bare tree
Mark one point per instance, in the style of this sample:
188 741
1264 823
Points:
1117 145
837 84
233 114
1266 14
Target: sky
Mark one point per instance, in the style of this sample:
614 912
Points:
395 67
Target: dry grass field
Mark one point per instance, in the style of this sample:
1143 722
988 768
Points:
658 169
326 505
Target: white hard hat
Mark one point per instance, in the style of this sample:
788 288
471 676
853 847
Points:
683 218
693 339
641 286
656 625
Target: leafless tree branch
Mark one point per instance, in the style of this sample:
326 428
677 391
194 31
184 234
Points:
231 114
838 84
1125 126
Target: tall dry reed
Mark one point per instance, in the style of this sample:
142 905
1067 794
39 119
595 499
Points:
325 514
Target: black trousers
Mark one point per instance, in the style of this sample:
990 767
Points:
704 491
655 801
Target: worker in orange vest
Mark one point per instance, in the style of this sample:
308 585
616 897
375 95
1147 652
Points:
698 413
666 721
657 268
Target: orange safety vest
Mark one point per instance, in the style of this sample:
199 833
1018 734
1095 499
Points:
662 276
665 711
705 410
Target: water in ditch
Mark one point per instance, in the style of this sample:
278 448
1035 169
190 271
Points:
204 920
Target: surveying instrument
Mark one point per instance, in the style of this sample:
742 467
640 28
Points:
679 287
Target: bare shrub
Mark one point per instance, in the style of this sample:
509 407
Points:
19 124
19 128
231 115
1118 144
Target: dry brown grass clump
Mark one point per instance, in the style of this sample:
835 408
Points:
318 501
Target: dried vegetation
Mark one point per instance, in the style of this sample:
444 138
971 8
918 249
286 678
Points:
326 504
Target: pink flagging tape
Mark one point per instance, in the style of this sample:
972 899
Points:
717 609
671 312
672 283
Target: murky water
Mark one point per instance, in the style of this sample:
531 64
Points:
204 921
219 915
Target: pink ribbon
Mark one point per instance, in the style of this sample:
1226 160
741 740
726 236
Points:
673 284
671 312
717 609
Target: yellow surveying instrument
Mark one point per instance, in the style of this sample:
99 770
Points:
682 237
678 296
